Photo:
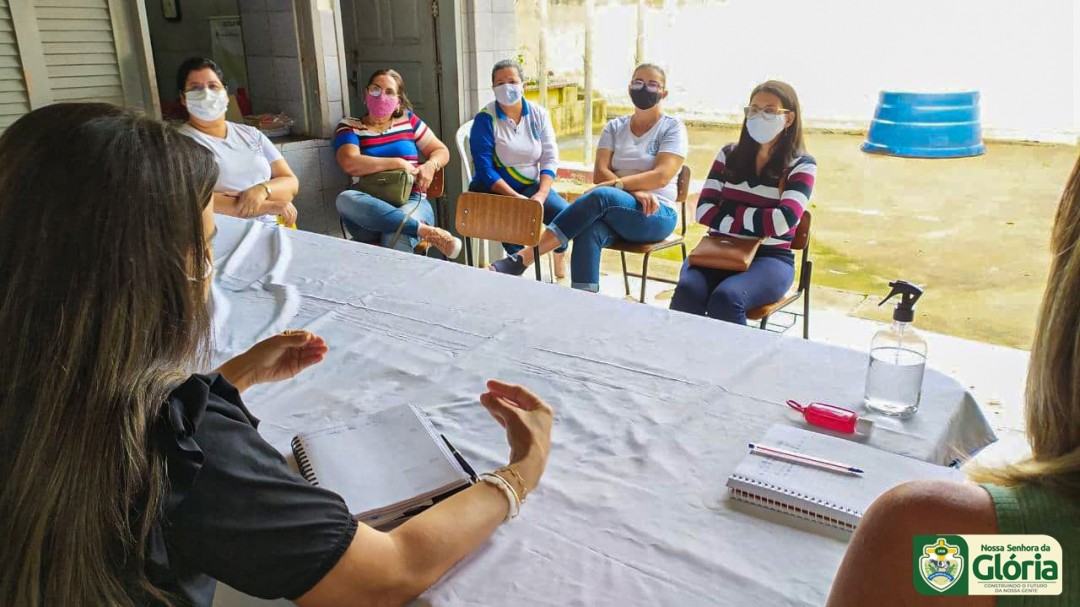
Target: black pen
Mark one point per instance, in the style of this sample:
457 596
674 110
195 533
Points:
461 460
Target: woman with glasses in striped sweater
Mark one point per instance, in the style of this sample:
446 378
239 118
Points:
757 188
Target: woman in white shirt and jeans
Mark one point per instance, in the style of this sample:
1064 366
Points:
637 165
254 180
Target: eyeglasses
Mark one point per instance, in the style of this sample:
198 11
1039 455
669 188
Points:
770 112
213 86
652 86
376 91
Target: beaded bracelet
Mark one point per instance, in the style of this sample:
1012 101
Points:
507 490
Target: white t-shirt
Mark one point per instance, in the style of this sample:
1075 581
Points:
244 157
633 155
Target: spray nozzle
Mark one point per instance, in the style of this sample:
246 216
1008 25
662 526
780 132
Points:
909 294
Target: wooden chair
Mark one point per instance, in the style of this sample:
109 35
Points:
648 248
462 141
501 218
801 242
434 191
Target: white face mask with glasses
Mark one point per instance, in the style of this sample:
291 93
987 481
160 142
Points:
207 104
764 124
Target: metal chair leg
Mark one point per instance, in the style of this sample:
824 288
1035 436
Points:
683 247
468 251
341 222
806 315
536 264
644 276
764 324
625 276
551 266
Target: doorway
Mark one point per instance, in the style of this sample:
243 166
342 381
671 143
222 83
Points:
399 35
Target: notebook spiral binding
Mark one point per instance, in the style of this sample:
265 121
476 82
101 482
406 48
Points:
798 494
302 461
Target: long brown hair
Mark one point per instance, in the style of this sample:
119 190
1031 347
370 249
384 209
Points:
789 145
404 104
100 232
1053 384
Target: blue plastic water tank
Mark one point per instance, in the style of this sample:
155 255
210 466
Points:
926 125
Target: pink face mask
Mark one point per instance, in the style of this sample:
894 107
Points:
381 106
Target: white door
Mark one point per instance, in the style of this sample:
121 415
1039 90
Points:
395 34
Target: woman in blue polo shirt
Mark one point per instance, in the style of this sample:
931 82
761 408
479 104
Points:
514 151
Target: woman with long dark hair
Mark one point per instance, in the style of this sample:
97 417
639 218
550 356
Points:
125 479
757 188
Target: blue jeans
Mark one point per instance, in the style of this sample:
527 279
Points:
553 205
727 295
597 220
370 219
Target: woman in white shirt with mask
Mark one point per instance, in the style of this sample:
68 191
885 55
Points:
254 179
638 160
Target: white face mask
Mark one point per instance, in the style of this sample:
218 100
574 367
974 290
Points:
206 104
509 93
764 130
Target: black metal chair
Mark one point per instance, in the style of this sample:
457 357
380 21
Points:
801 242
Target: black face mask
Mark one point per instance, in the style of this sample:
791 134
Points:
644 99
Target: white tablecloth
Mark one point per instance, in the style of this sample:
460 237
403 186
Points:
653 409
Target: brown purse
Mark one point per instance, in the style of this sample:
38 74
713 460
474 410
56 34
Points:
726 252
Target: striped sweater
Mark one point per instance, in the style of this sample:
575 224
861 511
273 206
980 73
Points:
757 210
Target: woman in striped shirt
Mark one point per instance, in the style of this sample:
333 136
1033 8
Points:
391 137
757 188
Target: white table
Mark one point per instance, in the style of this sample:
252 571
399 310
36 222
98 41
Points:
653 410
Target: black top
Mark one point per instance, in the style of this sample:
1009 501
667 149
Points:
235 511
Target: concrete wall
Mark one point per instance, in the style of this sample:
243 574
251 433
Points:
175 41
273 59
320 182
1024 57
489 35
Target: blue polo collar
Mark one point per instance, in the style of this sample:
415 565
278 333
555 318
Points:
501 115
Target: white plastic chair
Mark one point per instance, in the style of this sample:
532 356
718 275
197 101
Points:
462 140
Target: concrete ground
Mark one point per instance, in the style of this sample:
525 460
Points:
973 231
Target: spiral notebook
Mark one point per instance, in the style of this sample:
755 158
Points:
387 467
832 498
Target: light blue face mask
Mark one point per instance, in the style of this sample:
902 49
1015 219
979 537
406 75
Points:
509 93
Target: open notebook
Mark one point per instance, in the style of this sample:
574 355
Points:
811 493
386 467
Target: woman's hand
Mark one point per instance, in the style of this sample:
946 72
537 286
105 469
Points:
405 165
527 420
274 359
250 202
540 196
647 200
288 213
424 174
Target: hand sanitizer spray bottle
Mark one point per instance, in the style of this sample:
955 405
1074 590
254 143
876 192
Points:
897 358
